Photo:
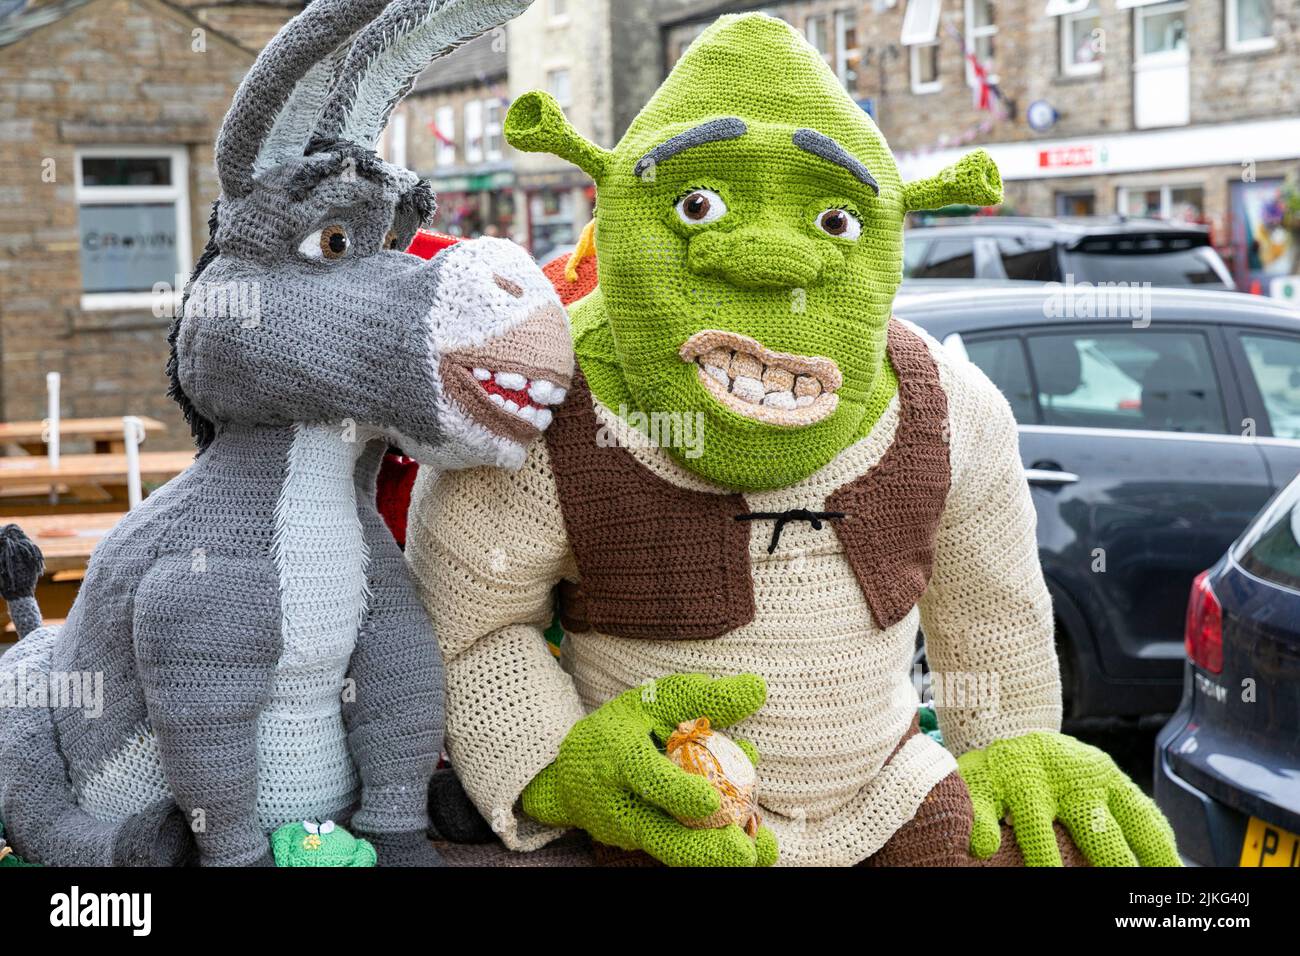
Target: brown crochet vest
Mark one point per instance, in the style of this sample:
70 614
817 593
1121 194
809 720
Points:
657 561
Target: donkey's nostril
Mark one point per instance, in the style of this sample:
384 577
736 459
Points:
513 288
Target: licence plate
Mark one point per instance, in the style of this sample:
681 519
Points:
1269 845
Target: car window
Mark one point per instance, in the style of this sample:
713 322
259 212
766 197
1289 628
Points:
913 255
1003 361
1028 259
1161 381
1199 266
1275 362
948 259
1271 549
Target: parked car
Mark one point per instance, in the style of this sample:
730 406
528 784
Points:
1227 768
992 248
1149 445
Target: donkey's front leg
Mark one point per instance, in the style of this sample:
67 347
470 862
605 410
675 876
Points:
392 703
207 641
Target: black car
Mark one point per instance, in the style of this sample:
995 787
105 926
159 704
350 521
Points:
993 248
1149 442
1227 768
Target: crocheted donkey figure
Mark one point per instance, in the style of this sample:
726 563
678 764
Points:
261 656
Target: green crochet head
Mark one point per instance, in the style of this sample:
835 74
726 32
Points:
319 844
749 244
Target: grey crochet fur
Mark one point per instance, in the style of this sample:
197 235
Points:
260 653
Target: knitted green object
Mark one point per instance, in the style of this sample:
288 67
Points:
612 781
319 844
1042 777
752 119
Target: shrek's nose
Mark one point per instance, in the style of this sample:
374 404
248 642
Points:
767 256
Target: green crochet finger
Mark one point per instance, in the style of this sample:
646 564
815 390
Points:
1145 828
1032 815
655 778
986 832
723 700
675 845
765 847
748 747
541 798
1096 831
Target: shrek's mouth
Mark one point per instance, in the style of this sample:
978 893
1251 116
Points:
776 388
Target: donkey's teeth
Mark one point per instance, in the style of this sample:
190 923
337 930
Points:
512 380
510 406
528 413
540 391
498 399
543 418
557 395
482 374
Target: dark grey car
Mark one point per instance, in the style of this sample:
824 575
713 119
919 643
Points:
1150 439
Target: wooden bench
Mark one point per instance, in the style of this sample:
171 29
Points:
105 433
92 482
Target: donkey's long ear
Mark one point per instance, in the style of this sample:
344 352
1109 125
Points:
389 54
279 102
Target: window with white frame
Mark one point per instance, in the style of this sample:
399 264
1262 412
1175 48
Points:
920 22
1160 31
493 143
848 56
133 215
1081 41
1249 25
925 67
815 29
981 37
474 131
1177 203
559 85
444 126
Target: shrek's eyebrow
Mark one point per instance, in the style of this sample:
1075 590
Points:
819 144
729 127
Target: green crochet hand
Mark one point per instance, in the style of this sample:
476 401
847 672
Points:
612 780
1042 777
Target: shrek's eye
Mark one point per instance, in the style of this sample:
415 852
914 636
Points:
700 206
839 223
331 243
390 240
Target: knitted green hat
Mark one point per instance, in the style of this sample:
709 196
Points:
749 240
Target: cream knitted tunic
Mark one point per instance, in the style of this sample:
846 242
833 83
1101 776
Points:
487 546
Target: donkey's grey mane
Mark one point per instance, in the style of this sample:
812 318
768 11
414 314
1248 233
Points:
202 428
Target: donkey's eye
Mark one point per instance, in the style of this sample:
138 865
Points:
390 240
331 243
839 223
701 206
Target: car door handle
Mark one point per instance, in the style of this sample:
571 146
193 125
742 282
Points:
1050 476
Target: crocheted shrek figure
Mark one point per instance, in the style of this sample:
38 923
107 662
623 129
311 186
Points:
760 476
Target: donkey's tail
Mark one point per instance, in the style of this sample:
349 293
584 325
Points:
21 567
43 819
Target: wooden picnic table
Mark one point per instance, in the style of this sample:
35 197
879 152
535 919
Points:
90 482
66 540
106 433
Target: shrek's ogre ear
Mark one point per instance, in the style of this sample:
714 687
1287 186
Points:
973 180
536 124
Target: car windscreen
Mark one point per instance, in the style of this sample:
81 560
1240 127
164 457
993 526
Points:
1271 548
1199 266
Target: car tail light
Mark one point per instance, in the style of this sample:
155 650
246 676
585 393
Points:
1204 634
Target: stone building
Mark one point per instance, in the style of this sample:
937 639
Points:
449 130
106 131
1181 109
